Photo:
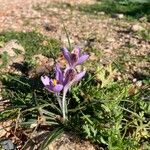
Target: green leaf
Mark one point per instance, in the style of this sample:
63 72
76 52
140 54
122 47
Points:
5 58
51 137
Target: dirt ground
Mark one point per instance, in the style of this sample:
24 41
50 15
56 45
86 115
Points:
101 32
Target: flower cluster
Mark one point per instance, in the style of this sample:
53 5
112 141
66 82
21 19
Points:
64 80
69 76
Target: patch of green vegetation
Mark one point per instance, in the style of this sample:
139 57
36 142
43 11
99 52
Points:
33 43
111 113
61 5
110 7
37 7
145 34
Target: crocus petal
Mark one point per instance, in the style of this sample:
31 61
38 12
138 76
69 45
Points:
76 79
69 75
79 76
73 59
74 56
66 69
59 74
66 54
57 88
45 80
82 59
77 51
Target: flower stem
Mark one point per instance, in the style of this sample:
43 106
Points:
59 101
64 106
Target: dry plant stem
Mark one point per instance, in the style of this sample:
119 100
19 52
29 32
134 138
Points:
17 121
30 138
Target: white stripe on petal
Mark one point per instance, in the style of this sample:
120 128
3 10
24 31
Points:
45 80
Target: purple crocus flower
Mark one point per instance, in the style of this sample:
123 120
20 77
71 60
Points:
75 57
71 77
64 81
54 85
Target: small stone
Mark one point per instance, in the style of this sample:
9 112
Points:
49 27
7 144
119 16
83 44
14 54
41 60
13 48
136 28
93 57
18 59
127 36
5 127
45 43
70 142
143 19
43 65
133 41
139 83
134 80
110 39
66 41
101 13
79 68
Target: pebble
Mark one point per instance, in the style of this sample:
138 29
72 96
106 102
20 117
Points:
119 16
101 13
110 39
68 142
14 53
10 48
136 28
65 41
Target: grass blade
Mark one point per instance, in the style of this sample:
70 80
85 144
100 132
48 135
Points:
51 137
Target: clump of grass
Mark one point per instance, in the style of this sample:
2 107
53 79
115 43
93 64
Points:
33 43
61 5
112 113
145 34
